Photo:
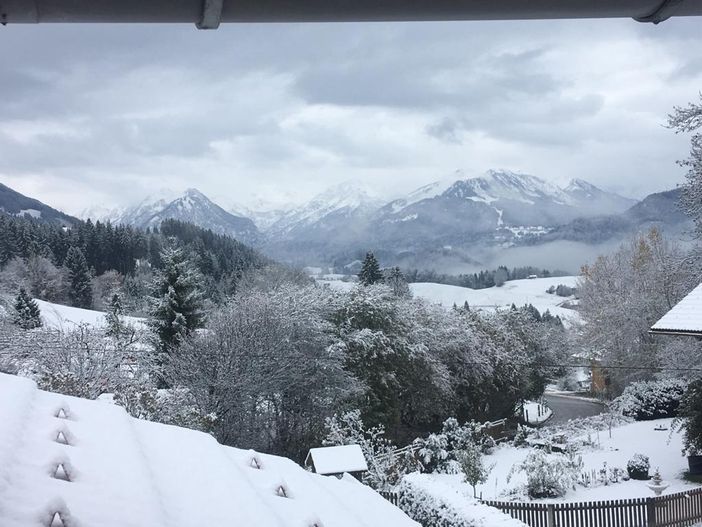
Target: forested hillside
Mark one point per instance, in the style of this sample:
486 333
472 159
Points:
37 254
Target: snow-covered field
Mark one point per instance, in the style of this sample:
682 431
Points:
117 471
57 316
662 448
518 292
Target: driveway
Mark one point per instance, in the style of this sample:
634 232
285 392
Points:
567 407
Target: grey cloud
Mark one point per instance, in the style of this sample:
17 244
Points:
150 100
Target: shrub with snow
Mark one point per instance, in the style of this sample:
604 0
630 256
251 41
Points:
434 503
438 452
520 438
648 400
690 419
549 475
638 467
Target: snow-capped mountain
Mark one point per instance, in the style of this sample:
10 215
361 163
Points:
193 207
595 200
503 198
345 202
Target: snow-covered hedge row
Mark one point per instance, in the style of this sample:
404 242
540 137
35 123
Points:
648 400
434 503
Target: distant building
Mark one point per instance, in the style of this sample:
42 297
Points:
684 319
336 460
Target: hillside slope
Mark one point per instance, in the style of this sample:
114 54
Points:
16 204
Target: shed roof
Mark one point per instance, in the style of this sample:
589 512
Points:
685 318
337 459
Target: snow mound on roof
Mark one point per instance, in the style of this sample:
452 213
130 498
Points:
93 464
686 315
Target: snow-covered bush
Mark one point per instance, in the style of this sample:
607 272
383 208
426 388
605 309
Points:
689 419
172 407
81 361
438 452
520 438
549 475
648 400
434 454
638 467
436 504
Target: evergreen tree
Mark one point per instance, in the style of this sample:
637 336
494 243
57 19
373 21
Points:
177 308
80 291
27 314
370 272
115 327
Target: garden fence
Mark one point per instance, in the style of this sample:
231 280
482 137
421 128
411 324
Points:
673 510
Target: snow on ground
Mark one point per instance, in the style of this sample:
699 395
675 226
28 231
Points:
663 449
518 292
127 472
535 413
57 316
459 501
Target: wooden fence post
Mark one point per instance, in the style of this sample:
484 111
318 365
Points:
551 515
651 513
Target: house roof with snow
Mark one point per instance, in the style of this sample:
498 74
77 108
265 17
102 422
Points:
89 463
337 459
685 318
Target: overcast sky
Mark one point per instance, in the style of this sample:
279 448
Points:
97 115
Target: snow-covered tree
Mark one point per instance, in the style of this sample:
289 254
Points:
688 119
621 296
27 314
470 459
395 280
79 282
370 271
177 300
267 367
113 317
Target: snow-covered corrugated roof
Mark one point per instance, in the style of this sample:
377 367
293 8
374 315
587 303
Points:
685 318
338 459
93 464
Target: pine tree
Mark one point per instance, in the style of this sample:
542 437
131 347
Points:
27 313
177 300
80 291
115 326
370 272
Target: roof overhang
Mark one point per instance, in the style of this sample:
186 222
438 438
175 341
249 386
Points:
208 14
678 332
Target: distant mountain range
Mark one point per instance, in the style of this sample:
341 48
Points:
457 220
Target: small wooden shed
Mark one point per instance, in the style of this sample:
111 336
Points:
337 460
